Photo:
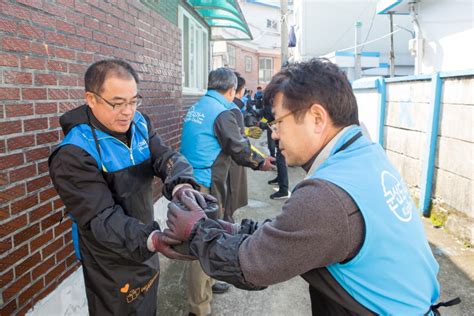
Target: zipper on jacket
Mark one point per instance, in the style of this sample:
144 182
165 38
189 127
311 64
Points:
122 143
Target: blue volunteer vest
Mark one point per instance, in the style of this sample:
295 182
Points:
114 154
199 143
394 271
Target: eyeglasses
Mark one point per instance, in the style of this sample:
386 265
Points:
122 105
274 124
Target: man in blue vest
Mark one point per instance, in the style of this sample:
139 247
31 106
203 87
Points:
103 171
211 140
349 229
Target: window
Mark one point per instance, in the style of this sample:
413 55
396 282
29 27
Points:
265 69
272 24
231 53
248 64
195 52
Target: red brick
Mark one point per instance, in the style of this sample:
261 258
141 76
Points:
35 124
52 248
7 26
10 127
33 93
63 227
57 204
15 44
77 68
43 267
22 173
14 10
58 94
84 32
16 287
54 122
9 94
26 265
57 65
5 245
77 94
13 225
37 154
92 47
20 142
38 183
40 212
68 80
46 108
26 234
32 62
3 174
47 194
82 7
29 293
85 57
53 9
55 38
46 79
62 254
15 110
65 27
74 17
10 161
51 220
65 53
8 60
48 137
33 32
42 167
75 42
10 308
11 259
42 49
6 278
16 77
4 214
55 273
24 204
43 19
12 193
32 3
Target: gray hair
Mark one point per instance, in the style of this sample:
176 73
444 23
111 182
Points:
222 79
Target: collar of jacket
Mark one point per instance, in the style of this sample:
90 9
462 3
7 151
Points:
219 97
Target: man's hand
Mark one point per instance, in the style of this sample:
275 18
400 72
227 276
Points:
186 190
267 164
181 222
159 242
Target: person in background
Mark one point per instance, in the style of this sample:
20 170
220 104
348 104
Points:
350 228
211 140
103 170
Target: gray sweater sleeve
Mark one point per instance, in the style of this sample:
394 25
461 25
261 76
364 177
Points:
319 225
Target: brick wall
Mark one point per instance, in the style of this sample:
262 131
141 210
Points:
45 47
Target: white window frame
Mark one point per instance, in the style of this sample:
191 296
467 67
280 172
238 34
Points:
265 72
231 52
197 68
248 63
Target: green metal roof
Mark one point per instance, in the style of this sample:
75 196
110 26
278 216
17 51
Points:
224 14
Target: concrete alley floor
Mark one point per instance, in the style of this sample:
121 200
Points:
291 298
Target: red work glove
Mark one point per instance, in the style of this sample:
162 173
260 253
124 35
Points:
187 191
267 164
181 222
159 242
229 227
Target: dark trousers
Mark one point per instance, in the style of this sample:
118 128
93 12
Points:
270 142
282 170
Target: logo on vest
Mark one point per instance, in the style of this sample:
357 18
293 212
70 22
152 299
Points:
194 116
142 145
396 196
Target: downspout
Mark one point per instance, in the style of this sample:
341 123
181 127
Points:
381 87
416 45
431 144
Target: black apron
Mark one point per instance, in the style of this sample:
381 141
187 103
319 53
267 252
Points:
116 285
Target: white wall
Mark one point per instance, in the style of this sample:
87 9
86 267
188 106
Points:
448 29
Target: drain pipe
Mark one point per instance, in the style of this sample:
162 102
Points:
416 45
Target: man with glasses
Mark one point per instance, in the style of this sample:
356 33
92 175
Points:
103 171
349 229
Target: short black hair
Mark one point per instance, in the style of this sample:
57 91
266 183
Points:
99 71
240 81
259 88
315 81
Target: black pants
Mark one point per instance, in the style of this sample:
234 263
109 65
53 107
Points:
270 142
282 170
